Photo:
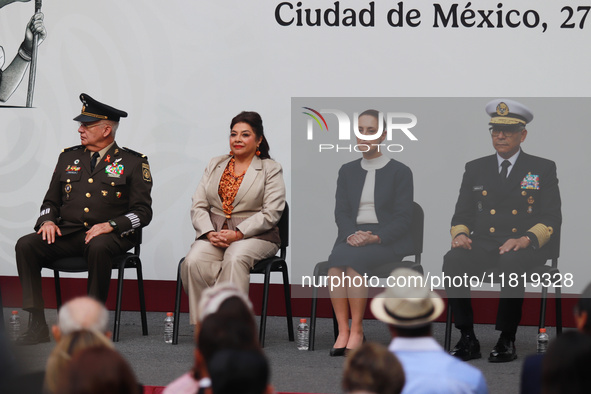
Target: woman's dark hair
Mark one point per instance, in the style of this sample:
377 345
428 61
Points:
376 114
232 326
254 120
565 368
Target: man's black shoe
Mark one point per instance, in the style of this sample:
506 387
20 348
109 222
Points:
468 348
37 333
504 351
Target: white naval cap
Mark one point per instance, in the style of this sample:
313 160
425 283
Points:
505 112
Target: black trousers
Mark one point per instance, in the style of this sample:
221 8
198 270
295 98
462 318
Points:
482 258
32 252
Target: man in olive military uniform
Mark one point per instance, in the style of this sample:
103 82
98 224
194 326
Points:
507 212
98 195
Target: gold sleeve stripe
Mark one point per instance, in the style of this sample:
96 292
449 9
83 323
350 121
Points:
459 229
542 233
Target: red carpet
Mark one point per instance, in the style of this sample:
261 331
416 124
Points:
160 389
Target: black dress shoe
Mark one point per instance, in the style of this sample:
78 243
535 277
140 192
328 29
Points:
503 352
337 351
468 348
36 333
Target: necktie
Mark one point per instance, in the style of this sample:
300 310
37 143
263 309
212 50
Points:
96 155
505 165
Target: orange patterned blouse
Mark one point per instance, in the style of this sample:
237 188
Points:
229 185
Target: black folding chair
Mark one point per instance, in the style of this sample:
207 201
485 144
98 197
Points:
121 262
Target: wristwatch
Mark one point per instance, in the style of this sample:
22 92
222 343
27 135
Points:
113 224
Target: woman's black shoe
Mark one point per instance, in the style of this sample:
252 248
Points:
337 351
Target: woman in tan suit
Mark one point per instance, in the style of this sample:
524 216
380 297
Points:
235 212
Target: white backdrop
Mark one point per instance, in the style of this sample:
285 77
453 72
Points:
183 69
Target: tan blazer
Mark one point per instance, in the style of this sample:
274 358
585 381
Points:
258 204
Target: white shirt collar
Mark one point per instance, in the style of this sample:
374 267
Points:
512 159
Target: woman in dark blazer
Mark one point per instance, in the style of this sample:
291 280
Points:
374 203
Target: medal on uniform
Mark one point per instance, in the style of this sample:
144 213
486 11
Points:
114 170
531 182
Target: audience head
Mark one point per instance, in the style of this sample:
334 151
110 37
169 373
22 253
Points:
81 313
232 327
408 308
239 371
226 321
61 356
372 368
98 370
565 368
255 121
583 311
213 297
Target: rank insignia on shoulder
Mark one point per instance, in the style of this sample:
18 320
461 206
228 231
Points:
477 188
531 182
134 153
72 148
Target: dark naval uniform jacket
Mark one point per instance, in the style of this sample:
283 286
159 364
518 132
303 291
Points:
118 189
492 211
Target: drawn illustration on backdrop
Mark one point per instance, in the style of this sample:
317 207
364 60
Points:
13 74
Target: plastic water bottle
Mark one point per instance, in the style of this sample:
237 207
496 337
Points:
303 335
542 341
14 324
168 327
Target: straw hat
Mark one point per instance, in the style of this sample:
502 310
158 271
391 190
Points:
409 303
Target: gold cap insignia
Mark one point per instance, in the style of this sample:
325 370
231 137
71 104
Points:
502 109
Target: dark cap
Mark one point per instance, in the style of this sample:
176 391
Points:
93 111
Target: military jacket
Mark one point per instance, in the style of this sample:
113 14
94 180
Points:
118 189
494 210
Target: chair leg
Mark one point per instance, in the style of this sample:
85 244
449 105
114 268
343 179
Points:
558 300
447 344
543 302
177 305
58 289
140 285
287 296
118 307
263 326
312 336
313 318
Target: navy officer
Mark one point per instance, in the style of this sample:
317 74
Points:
507 212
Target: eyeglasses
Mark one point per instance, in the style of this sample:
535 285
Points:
506 133
90 126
